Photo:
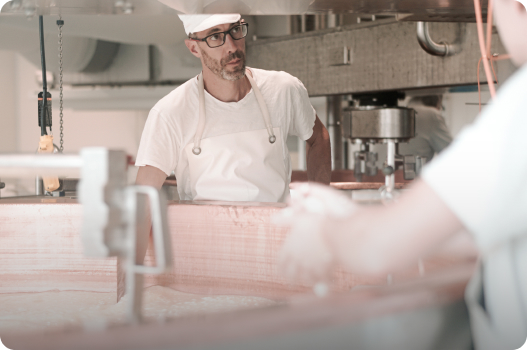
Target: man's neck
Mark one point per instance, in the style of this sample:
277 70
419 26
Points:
225 90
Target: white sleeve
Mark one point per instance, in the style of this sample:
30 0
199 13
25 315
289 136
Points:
303 114
482 176
158 147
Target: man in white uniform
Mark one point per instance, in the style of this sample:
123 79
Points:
432 135
224 132
451 196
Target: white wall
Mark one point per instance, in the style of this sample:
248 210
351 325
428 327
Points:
461 109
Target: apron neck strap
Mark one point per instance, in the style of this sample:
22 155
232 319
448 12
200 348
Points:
263 107
201 121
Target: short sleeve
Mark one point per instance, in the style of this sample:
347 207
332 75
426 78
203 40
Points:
158 146
303 114
481 176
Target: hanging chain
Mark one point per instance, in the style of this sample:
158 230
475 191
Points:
60 23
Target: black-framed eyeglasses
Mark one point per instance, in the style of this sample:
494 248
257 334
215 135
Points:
217 39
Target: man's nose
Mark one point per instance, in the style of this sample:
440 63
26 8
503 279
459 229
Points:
230 44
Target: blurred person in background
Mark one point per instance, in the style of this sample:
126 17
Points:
449 198
431 132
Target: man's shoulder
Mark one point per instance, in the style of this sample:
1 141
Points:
178 98
278 79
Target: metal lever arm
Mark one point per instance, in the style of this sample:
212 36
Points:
160 231
162 246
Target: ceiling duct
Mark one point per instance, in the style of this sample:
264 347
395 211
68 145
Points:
91 44
163 29
80 54
78 51
103 57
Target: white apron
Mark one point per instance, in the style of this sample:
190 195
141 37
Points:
246 166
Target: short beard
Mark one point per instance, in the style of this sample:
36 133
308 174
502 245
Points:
219 67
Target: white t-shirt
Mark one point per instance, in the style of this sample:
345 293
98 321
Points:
432 135
482 178
172 123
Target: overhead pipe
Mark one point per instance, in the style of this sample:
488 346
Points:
430 46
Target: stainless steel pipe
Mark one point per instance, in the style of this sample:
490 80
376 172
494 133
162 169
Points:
32 165
429 45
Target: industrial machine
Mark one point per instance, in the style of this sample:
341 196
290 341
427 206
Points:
376 119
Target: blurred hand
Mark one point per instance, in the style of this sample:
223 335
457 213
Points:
314 211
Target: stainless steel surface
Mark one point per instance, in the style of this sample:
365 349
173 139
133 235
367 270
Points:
38 186
427 313
390 162
385 57
459 17
85 7
412 166
430 46
365 125
379 123
365 162
334 123
438 8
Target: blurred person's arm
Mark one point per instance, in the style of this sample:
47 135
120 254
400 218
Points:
371 240
380 240
461 246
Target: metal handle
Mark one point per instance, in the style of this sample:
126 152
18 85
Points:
160 231
162 246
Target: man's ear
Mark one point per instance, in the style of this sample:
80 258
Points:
193 47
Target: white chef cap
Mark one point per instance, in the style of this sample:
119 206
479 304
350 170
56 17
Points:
197 23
